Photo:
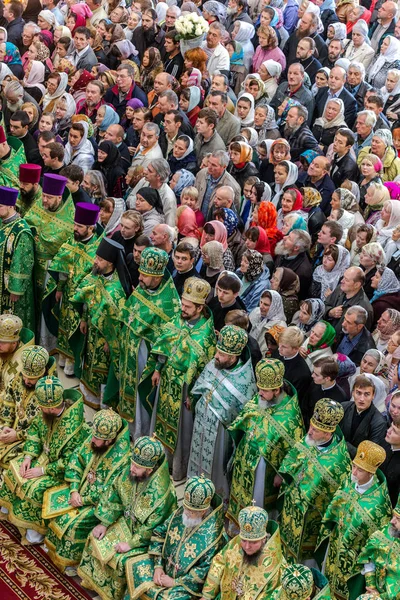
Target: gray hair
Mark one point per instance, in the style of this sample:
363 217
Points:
168 231
34 26
14 87
152 127
162 168
357 66
360 312
96 179
302 111
217 25
170 96
395 73
222 156
370 117
303 240
297 64
175 9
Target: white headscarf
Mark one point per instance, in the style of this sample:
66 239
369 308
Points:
330 280
396 90
36 76
115 219
249 120
276 312
391 54
380 391
49 17
243 36
290 180
338 121
47 98
161 10
273 68
385 231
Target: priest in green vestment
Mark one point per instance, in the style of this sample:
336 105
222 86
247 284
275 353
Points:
138 500
226 384
312 471
52 223
16 261
92 467
50 441
359 507
302 583
250 565
14 338
30 190
185 345
12 155
71 264
266 429
99 300
152 304
182 548
19 406
380 560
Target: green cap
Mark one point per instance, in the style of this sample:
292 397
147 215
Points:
49 392
106 424
147 451
199 492
269 374
34 361
232 340
153 262
253 523
369 596
297 583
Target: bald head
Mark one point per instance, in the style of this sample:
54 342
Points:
352 281
337 79
114 134
224 197
162 82
387 12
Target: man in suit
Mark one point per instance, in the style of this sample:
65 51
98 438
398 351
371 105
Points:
356 84
336 89
355 339
343 164
83 56
362 420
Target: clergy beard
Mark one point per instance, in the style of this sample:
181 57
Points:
14 107
99 271
310 442
133 478
393 532
27 196
267 403
99 450
78 237
191 522
302 34
220 366
49 419
252 560
280 249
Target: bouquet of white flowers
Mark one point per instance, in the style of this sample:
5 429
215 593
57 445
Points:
191 26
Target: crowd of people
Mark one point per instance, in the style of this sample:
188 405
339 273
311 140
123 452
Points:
200 220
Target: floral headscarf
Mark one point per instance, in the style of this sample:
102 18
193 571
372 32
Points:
186 179
327 339
186 222
394 189
66 66
83 80
230 220
290 103
388 284
380 360
297 222
215 252
317 307
289 284
309 155
276 312
43 53
330 279
375 252
311 197
348 201
221 234
256 265
12 56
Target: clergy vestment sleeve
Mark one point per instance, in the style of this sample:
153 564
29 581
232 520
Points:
33 446
110 507
75 469
211 587
157 542
57 468
193 580
7 410
21 265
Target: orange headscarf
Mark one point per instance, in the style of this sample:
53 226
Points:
275 143
267 219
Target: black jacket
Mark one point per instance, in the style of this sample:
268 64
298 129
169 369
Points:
326 187
290 47
301 265
14 32
323 136
388 31
342 169
174 66
350 105
300 141
298 373
391 468
242 174
372 427
316 218
338 298
112 97
365 343
142 40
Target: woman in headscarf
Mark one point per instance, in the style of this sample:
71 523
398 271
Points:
106 116
279 152
241 166
311 205
285 175
293 221
212 263
326 277
33 80
336 31
321 80
287 283
152 65
359 48
388 58
260 191
284 108
265 124
150 207
236 242
244 110
270 72
388 222
356 14
391 91
189 101
386 329
216 231
243 32
79 83
374 363
82 153
111 210
311 311
182 155
254 85
382 146
325 127
47 21
343 199
255 278
108 163
375 198
257 239
266 217
64 110
56 86
187 226
179 181
10 56
33 113
292 201
370 172
318 344
214 11
327 14
121 51
268 314
372 257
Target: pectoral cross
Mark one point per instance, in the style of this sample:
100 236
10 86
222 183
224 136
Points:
13 368
91 477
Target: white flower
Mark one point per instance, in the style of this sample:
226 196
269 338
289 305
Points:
199 30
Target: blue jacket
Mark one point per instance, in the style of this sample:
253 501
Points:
251 296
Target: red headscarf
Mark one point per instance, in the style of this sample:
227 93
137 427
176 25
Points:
262 246
82 12
298 203
83 80
187 224
267 219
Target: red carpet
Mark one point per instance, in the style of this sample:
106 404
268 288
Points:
26 572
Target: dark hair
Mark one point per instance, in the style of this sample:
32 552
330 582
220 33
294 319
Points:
172 35
229 282
252 234
84 31
65 41
336 230
143 240
244 100
237 317
208 228
47 136
73 172
361 381
56 150
222 95
209 115
333 251
376 99
366 228
186 248
266 294
348 134
329 367
21 115
178 118
151 12
16 8
78 127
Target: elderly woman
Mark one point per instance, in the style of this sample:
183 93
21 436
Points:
326 277
149 205
372 257
382 146
270 72
359 49
216 231
255 278
311 206
10 56
346 200
254 85
56 86
373 362
377 194
179 181
370 172
318 344
109 163
325 127
292 201
389 221
268 314
386 292
388 58
387 325
212 263
311 311
264 124
287 283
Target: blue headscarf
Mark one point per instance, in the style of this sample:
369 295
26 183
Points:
238 56
110 118
299 223
185 180
309 155
12 56
230 221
